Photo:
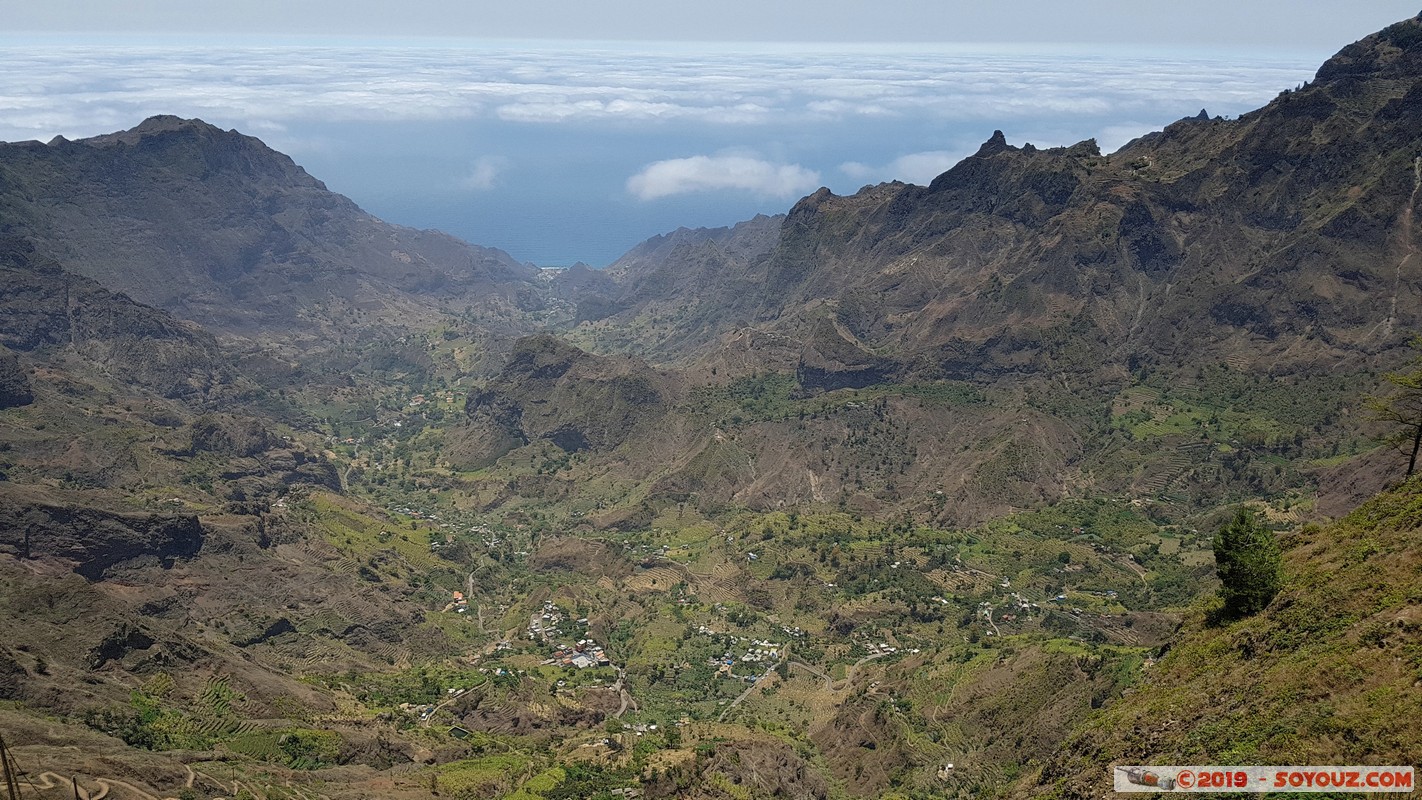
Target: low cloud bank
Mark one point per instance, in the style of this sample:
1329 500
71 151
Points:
716 173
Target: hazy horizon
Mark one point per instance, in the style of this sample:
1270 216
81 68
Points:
566 151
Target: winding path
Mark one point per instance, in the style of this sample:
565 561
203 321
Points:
749 689
840 685
831 685
53 780
426 720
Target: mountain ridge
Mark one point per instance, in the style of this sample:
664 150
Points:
915 270
902 494
218 228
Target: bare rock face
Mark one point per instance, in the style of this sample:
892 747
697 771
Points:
45 308
14 383
118 644
94 539
233 436
12 676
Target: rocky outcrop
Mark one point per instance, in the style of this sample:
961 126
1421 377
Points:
270 630
832 359
551 390
46 309
94 539
229 435
12 676
15 387
118 644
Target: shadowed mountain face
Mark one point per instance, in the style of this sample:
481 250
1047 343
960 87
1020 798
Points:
51 313
217 228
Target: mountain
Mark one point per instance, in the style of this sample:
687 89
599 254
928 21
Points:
1100 302
550 390
217 228
679 287
147 554
903 494
49 311
1328 673
1279 240
617 432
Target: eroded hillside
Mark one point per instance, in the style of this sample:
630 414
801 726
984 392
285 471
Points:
903 494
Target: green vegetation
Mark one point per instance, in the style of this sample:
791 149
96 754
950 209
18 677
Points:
1402 409
816 623
451 558
1326 672
1247 559
486 776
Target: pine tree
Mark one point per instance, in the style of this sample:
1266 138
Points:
1247 559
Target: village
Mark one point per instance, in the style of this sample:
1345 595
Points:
546 626
743 650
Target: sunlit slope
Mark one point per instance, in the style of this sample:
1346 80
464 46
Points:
1329 673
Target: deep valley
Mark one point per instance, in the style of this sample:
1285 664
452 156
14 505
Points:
912 493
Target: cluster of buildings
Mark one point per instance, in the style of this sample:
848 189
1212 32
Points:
879 648
586 653
420 399
546 626
416 513
1023 604
757 651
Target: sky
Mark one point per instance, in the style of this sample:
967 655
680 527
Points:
572 131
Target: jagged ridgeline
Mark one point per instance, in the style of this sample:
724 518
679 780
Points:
908 493
1146 321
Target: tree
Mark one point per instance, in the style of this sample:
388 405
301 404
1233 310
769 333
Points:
1247 559
1403 408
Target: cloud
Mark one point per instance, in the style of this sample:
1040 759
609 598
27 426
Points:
920 168
1114 137
840 108
484 173
87 89
722 172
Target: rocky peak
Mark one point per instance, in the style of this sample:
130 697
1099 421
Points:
995 144
155 125
188 145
